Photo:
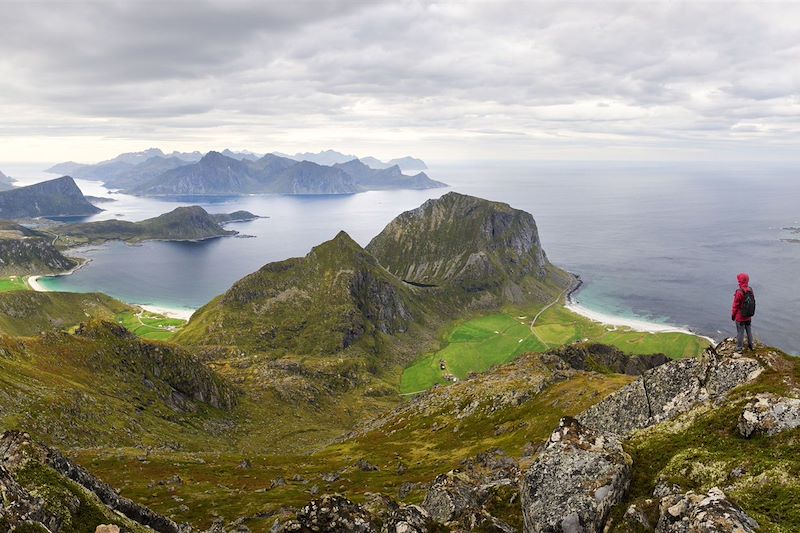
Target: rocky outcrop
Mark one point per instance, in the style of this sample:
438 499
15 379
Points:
49 474
461 499
669 390
332 514
769 414
575 482
702 513
408 519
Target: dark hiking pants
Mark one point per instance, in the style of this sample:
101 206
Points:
741 329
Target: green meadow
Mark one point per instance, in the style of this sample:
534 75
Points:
13 283
482 343
150 325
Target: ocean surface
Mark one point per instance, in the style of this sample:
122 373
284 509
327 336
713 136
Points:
661 242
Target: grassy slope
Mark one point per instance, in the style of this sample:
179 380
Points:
214 483
481 343
13 283
72 390
26 313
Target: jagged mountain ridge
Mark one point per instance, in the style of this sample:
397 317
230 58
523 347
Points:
153 173
56 197
217 174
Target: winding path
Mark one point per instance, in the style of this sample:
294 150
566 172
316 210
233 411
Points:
542 310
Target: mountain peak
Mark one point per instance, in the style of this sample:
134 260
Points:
463 241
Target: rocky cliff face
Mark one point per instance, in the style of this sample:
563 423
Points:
58 197
467 244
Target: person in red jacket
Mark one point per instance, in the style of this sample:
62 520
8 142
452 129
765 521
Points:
739 312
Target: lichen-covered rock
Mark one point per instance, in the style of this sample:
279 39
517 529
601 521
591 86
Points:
576 481
703 513
332 514
769 414
408 519
462 498
450 496
669 390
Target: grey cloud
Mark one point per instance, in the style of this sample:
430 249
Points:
498 70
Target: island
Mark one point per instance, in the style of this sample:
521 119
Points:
192 223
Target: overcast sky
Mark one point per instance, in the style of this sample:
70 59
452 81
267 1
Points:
449 80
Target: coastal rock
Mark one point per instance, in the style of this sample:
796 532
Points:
669 390
575 482
703 513
769 414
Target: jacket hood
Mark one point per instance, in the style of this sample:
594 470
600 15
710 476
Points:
744 280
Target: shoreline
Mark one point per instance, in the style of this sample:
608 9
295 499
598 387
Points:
645 326
169 312
33 281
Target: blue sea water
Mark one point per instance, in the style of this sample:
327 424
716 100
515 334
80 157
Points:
658 241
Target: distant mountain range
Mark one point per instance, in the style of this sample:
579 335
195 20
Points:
154 173
58 197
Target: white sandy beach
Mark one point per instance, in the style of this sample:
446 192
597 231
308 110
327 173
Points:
183 314
630 323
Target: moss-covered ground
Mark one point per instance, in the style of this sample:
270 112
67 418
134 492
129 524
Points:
150 325
426 445
482 343
13 283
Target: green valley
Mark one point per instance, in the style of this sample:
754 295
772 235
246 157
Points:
478 344
13 283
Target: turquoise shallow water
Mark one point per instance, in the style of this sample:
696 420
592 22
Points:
656 241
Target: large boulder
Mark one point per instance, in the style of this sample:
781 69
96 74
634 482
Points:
575 482
669 390
464 498
769 414
702 513
408 519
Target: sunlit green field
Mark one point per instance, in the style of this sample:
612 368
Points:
481 343
13 283
150 325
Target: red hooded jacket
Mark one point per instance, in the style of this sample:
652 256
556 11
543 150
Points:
738 298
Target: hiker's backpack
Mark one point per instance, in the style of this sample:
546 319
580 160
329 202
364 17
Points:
748 308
